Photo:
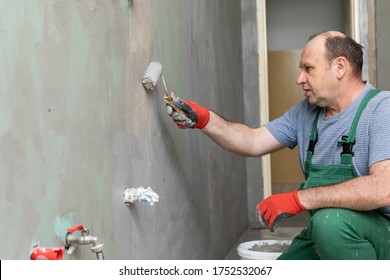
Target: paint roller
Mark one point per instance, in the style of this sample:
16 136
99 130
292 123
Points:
150 79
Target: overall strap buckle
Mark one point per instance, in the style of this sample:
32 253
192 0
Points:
347 146
312 144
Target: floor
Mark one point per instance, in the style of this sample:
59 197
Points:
286 229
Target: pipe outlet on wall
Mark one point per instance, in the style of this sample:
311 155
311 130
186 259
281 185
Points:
140 194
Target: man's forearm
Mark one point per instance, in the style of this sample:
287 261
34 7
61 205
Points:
362 194
240 138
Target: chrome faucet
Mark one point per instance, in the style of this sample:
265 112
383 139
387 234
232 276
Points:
71 241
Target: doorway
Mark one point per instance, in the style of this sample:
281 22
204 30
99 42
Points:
289 25
357 20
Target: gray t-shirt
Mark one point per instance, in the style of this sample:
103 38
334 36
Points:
372 133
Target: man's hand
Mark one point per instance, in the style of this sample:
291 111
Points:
197 116
278 206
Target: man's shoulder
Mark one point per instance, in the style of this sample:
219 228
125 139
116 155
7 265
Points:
382 98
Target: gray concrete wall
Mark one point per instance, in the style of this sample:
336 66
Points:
76 126
251 102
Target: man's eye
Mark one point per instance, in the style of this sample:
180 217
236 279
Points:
306 68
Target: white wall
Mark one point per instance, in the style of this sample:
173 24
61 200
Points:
291 22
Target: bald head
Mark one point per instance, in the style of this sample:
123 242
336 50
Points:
338 44
327 34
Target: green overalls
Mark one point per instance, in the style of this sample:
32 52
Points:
334 233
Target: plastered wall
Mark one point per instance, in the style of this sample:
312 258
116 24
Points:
76 126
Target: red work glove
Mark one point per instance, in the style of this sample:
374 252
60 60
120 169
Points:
278 206
197 116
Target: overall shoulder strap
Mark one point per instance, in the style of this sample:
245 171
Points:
348 141
312 143
367 98
314 133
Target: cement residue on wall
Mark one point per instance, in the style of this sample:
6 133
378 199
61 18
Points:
138 100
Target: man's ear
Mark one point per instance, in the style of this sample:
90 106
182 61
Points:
342 66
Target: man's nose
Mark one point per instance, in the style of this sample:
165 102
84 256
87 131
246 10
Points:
301 79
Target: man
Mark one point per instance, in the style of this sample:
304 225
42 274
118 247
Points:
342 131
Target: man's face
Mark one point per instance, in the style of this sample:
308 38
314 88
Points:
317 77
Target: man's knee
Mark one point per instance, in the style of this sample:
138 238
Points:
341 234
327 228
332 223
